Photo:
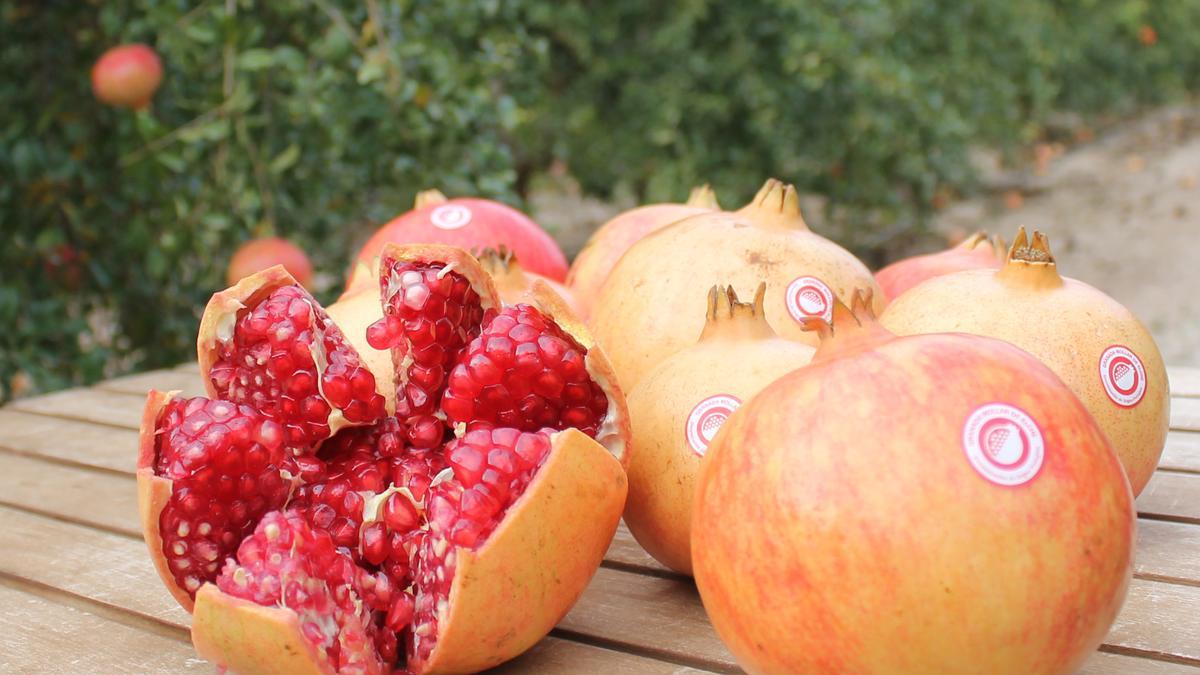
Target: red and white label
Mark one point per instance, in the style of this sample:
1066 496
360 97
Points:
450 216
808 297
1123 376
706 419
1003 444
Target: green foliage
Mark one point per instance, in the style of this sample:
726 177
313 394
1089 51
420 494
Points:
316 119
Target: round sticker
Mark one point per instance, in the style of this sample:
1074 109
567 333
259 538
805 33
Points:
808 297
450 216
1123 376
706 419
1003 444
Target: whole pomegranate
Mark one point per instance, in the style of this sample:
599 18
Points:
259 254
975 252
651 305
677 409
1091 341
127 76
313 531
610 241
928 504
472 224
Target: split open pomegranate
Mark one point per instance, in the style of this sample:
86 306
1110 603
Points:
311 531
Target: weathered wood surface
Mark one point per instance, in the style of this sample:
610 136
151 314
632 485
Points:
67 501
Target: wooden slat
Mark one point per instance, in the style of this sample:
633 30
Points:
1185 414
189 367
1182 452
68 440
1171 496
1169 551
40 635
104 500
163 380
1159 619
555 656
63 555
625 553
1185 380
87 405
1103 663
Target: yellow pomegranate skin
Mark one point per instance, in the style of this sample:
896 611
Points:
1069 326
651 306
675 409
841 525
610 241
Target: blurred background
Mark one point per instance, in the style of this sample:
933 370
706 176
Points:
907 124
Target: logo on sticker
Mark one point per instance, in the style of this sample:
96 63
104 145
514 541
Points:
706 419
1003 444
1123 376
450 216
809 297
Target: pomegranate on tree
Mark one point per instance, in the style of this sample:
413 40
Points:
975 252
1097 346
651 306
312 531
127 76
257 255
610 241
929 504
473 224
677 409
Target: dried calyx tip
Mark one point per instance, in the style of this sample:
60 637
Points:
501 254
723 303
1037 251
429 198
703 196
775 195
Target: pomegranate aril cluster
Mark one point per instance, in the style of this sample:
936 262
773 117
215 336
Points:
269 365
228 468
430 314
525 372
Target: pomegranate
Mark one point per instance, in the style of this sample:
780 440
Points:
311 531
472 224
127 76
610 241
259 254
650 307
1094 344
677 409
928 504
975 252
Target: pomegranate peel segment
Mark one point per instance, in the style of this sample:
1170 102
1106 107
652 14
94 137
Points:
500 602
454 258
246 637
153 493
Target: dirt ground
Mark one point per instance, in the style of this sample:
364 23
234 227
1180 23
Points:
1122 212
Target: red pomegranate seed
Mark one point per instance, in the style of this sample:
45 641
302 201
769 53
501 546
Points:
525 372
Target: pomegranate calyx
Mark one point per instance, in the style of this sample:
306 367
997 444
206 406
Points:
703 197
429 198
776 205
1030 263
730 319
850 330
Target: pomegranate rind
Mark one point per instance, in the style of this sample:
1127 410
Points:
154 492
615 430
221 315
251 639
514 589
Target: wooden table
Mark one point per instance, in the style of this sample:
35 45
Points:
79 594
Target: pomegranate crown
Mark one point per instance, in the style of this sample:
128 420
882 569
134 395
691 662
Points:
981 238
429 198
849 328
703 196
498 260
1030 262
775 205
728 317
